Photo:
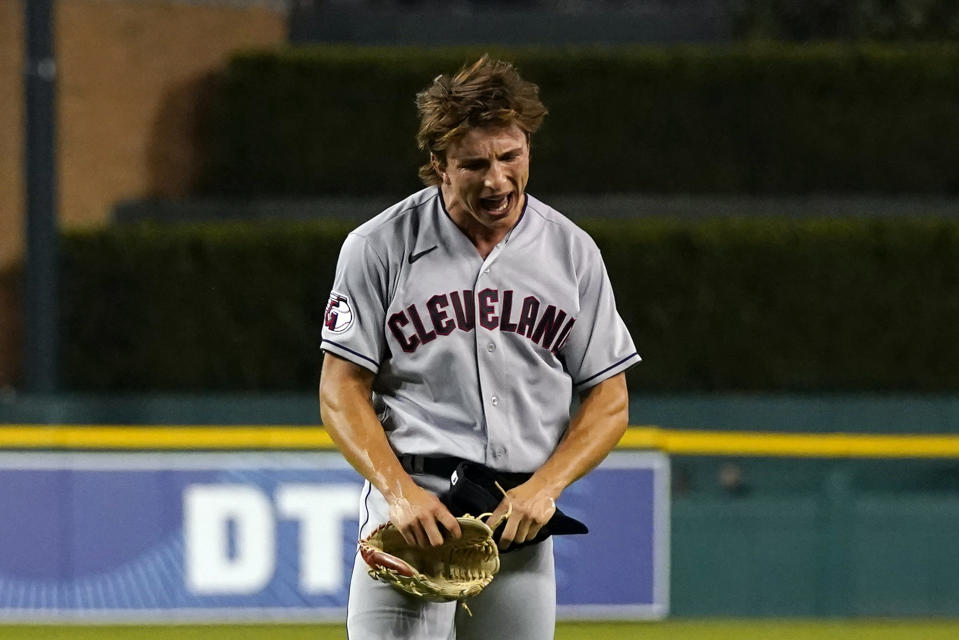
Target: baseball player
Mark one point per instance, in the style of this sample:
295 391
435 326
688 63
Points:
460 323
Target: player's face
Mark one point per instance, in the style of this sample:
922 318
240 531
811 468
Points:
484 179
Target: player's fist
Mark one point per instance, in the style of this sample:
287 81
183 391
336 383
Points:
530 506
420 517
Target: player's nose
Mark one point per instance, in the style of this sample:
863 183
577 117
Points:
495 176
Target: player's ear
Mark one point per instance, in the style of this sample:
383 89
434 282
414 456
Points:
439 166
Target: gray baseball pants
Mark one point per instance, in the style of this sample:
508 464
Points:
519 603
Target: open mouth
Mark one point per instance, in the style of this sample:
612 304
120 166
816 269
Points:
497 205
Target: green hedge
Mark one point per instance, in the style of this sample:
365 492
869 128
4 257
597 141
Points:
723 304
770 119
214 307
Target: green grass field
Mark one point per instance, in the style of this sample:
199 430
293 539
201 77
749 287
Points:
671 630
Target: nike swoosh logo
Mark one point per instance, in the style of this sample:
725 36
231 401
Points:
413 257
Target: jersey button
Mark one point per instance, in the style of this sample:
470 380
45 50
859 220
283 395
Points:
499 452
486 270
491 347
494 400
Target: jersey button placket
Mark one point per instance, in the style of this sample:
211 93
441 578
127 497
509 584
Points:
491 370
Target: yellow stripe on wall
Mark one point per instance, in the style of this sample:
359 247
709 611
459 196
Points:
674 441
796 445
186 437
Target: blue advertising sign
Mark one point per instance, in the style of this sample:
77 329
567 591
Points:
270 536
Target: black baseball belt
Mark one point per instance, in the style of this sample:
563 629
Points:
444 466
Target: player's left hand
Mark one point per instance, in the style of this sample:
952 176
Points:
530 506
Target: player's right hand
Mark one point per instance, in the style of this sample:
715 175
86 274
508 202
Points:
420 517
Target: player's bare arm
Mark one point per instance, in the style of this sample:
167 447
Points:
349 418
597 426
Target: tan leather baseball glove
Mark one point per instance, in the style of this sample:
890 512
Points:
455 570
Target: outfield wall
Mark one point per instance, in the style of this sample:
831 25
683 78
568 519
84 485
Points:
773 512
835 552
270 536
808 413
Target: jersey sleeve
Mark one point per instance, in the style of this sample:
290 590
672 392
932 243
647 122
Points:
599 345
354 317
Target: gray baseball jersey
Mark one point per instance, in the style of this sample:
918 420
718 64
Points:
475 358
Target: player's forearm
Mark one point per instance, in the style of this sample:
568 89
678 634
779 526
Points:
593 432
349 418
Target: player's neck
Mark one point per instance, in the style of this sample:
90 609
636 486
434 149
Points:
483 238
485 246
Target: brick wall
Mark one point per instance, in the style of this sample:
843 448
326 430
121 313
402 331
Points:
129 75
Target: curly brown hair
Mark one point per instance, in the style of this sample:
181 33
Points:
486 93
